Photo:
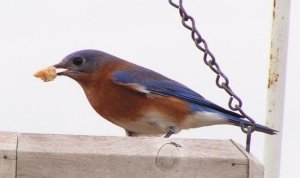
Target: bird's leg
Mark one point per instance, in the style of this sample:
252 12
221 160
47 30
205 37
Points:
130 133
170 132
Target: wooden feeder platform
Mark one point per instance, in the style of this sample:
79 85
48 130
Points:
24 155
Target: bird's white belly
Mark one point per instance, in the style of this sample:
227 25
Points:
155 123
152 124
200 119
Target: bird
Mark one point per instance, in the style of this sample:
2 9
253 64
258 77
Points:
140 100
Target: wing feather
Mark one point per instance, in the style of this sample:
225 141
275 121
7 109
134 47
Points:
147 81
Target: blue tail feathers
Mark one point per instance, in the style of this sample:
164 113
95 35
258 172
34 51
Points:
232 117
258 127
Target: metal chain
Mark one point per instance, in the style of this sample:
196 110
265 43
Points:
222 80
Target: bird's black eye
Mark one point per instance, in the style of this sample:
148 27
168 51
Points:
77 61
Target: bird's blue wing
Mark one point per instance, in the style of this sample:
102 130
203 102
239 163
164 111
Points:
148 81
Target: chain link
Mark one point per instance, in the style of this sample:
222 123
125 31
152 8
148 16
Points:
222 80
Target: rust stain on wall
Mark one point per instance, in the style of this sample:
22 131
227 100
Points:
273 78
274 6
273 75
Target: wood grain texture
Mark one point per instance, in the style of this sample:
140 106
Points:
90 156
8 146
255 168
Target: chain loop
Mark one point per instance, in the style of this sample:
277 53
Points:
222 80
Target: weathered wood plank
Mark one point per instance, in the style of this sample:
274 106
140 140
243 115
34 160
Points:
90 156
8 145
255 168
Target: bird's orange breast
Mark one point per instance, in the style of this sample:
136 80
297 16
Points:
122 105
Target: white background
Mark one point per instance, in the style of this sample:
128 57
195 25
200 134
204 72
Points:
38 33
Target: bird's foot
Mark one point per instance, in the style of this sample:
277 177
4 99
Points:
170 132
131 134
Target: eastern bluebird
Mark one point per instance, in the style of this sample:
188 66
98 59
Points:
142 101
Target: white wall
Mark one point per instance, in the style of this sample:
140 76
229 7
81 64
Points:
36 34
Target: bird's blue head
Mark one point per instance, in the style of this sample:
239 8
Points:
81 62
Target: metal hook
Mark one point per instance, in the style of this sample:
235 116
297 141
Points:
209 60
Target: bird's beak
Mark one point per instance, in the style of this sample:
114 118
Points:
66 70
62 66
58 65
